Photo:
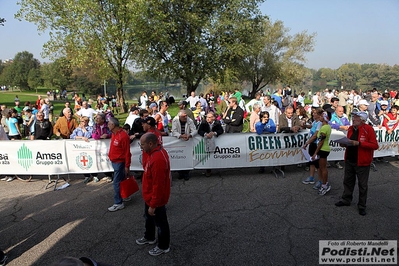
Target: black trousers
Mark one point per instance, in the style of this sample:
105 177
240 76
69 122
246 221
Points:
160 222
362 173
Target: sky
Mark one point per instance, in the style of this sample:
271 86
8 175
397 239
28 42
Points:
348 31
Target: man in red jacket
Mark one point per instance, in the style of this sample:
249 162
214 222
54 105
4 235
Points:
156 192
120 157
358 157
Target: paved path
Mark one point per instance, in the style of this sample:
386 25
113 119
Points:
235 217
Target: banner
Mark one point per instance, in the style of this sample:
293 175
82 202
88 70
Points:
180 154
231 151
88 157
25 157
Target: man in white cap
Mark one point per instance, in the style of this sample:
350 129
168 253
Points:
358 158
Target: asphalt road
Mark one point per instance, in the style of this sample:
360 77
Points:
234 217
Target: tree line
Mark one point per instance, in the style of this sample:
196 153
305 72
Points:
354 76
27 73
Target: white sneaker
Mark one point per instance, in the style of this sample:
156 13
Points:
338 165
127 199
116 207
4 178
11 178
95 179
107 179
157 251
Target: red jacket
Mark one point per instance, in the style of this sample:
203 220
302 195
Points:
156 178
119 148
368 144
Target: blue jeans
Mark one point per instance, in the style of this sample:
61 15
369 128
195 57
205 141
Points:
119 175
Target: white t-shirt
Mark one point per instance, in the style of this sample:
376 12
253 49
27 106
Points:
130 119
301 100
46 111
89 112
192 100
315 101
143 100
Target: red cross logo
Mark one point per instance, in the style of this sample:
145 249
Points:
84 160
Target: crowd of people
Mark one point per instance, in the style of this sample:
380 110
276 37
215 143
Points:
355 113
281 112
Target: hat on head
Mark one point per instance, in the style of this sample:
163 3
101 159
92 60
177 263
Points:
149 120
383 102
153 105
363 102
363 115
182 102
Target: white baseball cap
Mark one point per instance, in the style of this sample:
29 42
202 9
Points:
363 102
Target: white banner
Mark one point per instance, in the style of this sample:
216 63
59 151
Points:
88 157
180 153
25 157
232 151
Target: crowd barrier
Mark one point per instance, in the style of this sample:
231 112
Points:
42 157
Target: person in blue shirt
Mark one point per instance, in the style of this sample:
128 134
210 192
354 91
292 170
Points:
84 131
265 125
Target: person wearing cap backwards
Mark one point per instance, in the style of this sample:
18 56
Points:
358 158
149 125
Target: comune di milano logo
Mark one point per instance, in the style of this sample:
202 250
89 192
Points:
25 158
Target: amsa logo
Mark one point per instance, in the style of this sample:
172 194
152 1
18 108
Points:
225 153
48 158
25 158
202 155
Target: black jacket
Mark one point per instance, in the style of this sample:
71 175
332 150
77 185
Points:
43 129
234 120
205 128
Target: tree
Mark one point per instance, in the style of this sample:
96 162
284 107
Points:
193 40
348 75
276 56
99 32
17 72
58 74
34 78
